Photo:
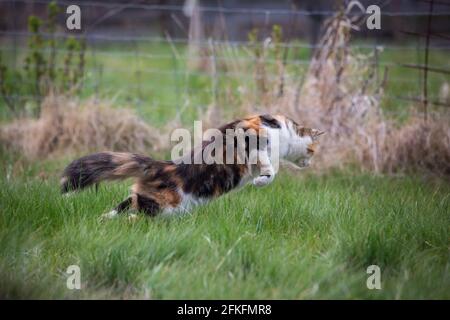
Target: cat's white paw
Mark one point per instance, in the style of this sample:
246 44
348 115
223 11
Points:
262 181
110 215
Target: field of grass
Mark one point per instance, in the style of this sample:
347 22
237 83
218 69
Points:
305 236
154 79
302 237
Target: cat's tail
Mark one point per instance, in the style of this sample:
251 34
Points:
97 167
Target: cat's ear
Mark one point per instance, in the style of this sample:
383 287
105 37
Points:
315 133
270 121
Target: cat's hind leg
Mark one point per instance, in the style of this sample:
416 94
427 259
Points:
147 205
121 207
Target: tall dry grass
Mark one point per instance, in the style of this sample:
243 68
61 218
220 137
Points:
417 146
338 93
68 126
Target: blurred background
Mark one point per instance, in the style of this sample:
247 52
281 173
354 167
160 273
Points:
377 192
172 62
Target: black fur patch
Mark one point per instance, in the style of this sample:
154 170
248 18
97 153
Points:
124 205
268 120
147 205
206 181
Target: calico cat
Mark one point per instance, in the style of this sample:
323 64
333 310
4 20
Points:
166 187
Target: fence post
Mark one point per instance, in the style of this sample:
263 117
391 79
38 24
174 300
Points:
138 71
425 73
213 72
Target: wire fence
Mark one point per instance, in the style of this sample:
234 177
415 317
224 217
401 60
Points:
226 10
148 68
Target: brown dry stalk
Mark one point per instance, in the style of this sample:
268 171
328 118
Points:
66 126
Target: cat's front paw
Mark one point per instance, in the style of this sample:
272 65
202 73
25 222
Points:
262 180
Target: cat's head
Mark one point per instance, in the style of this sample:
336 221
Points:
296 143
302 143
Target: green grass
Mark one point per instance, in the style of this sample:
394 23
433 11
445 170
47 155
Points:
154 78
302 237
158 86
